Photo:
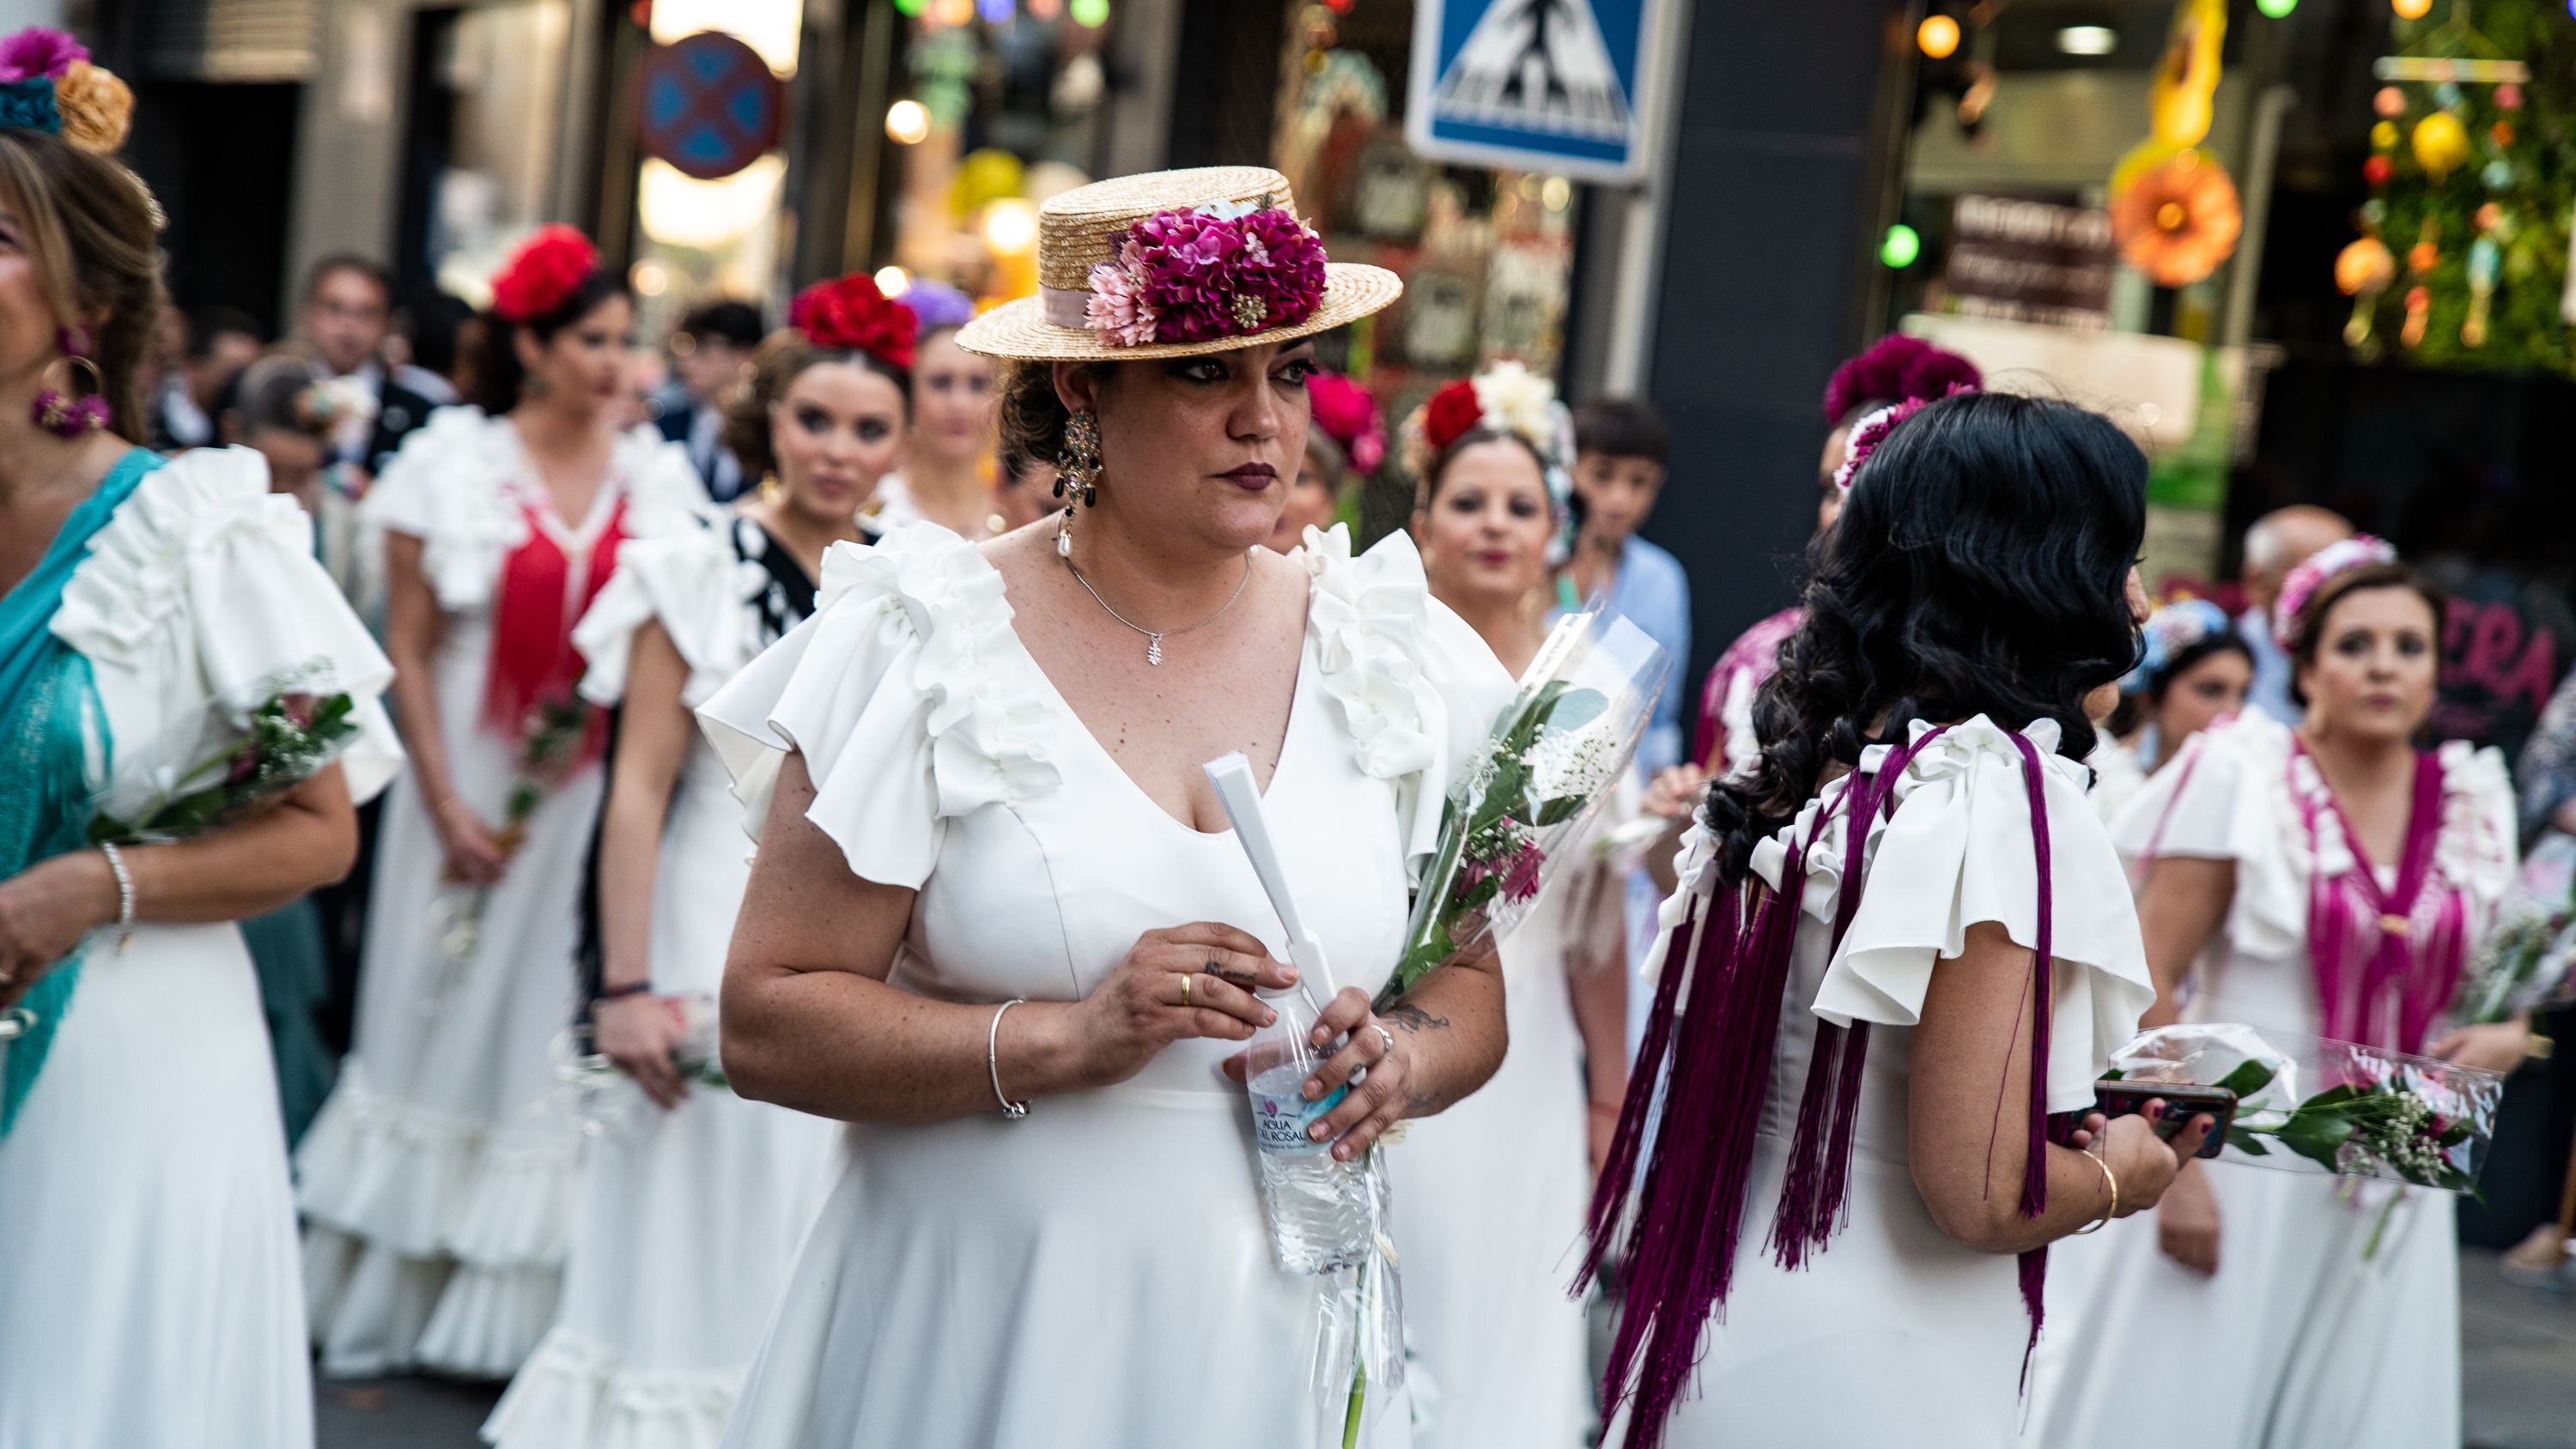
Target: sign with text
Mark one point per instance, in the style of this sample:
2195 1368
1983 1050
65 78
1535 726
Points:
1534 85
2031 261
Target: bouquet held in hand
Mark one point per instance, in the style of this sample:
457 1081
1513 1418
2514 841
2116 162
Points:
1518 815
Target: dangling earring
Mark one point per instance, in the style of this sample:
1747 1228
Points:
1077 473
68 417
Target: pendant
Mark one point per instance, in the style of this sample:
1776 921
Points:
1153 648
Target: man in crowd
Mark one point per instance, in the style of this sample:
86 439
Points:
213 349
348 313
708 354
2279 541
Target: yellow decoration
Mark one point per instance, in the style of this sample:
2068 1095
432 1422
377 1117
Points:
2411 9
986 175
2365 266
2441 143
2382 136
2178 97
96 107
1938 35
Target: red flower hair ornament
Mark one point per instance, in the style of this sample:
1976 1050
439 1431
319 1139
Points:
849 313
543 274
1451 414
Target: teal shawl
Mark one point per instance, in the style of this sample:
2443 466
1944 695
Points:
49 714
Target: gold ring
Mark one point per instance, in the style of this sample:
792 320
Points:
1185 991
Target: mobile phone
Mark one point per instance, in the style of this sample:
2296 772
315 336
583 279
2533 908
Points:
2182 1103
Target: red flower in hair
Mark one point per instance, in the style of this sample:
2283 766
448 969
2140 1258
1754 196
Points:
1450 414
851 313
543 273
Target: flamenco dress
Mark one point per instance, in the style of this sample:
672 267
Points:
437 1183
148 1279
1099 1274
1891 1332
2299 1341
689 1219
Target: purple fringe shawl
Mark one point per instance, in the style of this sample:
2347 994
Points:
1675 1255
2376 980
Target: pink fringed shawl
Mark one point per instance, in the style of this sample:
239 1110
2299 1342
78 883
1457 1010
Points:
2386 961
1715 1022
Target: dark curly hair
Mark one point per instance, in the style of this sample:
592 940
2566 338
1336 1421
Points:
784 355
1031 417
497 373
1980 567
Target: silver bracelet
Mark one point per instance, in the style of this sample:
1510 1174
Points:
993 1061
124 894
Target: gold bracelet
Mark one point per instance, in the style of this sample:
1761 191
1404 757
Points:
2110 1212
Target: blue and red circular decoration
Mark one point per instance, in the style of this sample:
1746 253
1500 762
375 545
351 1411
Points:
708 105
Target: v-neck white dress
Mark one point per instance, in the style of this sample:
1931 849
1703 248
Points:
436 1201
1098 1275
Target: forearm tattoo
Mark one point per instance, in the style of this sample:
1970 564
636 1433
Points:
1413 1019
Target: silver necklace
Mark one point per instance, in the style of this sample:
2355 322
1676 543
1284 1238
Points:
1153 638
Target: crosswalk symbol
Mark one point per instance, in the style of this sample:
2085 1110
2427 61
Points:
1536 65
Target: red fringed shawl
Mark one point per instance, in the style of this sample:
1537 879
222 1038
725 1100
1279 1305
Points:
546 584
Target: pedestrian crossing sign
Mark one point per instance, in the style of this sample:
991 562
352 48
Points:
1536 85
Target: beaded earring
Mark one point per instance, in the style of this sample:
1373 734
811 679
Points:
70 417
1077 473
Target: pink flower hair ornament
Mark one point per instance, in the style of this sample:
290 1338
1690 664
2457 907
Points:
2350 553
1871 431
1196 276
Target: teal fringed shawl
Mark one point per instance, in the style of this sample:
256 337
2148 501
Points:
49 716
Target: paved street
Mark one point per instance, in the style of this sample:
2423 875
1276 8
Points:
2520 1370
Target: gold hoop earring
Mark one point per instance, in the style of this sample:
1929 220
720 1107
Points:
1077 472
70 417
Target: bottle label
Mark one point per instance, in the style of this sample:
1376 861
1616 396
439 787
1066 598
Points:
1279 1123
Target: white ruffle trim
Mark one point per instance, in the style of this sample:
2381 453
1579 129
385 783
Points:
450 488
575 1393
203 547
1958 851
702 590
2236 792
909 696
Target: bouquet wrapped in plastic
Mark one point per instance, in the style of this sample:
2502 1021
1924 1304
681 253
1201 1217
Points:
2523 965
1518 815
2312 1104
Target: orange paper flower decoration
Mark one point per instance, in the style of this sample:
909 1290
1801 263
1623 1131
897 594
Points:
2179 220
2364 266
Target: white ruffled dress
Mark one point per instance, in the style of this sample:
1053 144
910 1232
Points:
1098 1275
148 1288
435 1200
2296 1342
1895 1334
690 1219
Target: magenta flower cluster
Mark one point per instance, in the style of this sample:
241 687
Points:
37 52
1195 276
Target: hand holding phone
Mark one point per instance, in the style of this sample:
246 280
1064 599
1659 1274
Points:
2182 1102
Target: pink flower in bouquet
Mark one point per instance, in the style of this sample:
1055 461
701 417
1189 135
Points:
1520 875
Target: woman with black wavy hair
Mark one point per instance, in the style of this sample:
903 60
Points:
1978 586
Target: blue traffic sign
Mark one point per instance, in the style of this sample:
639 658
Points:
1537 85
708 104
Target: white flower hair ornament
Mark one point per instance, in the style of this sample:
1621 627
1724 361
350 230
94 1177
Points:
2351 553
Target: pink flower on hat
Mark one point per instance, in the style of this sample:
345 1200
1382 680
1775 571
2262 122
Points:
1195 276
38 52
2310 575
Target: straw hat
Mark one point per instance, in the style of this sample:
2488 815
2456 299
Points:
1081 228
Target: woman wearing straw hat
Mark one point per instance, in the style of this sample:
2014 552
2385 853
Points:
997 923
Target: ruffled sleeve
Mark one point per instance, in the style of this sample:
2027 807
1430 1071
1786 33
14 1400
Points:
1959 851
445 489
692 580
2228 796
1417 690
908 695
203 547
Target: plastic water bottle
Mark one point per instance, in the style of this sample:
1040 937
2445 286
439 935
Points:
1319 1206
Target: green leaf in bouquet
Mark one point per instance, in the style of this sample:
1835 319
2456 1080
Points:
2248 1078
105 827
1482 891
2454 1135
2334 1096
1561 809
2316 1136
1577 708
1503 795
2246 1142
2113 1075
1525 728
